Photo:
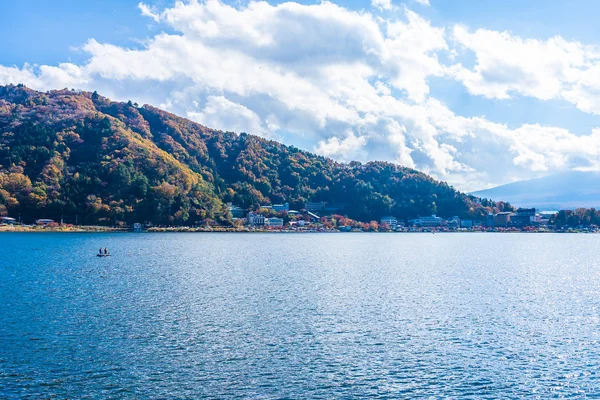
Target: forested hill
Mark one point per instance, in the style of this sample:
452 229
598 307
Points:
66 154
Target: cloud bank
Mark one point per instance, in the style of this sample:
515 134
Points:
352 85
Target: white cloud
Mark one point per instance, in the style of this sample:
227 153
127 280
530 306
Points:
552 69
382 4
349 148
45 77
423 2
221 113
148 11
347 85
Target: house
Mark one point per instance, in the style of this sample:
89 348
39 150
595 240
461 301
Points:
7 220
274 222
43 221
389 220
299 223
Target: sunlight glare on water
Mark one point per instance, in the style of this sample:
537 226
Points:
299 315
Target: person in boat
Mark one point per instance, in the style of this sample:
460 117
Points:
100 251
105 251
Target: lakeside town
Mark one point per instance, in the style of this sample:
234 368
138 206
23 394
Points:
326 217
524 219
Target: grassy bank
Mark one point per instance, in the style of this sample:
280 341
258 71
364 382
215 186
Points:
64 228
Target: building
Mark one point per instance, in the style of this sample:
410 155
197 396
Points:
273 222
502 219
137 227
466 223
427 221
454 222
489 222
392 222
236 212
431 221
544 217
7 220
43 221
324 207
299 223
281 207
255 219
524 217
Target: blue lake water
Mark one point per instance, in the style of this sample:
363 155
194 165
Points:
299 315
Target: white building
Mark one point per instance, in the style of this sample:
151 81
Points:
256 219
427 221
392 222
274 222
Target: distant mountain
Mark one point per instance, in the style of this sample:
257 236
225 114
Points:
566 190
67 154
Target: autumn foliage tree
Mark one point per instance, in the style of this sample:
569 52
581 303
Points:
67 154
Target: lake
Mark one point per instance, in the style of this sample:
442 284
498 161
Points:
208 315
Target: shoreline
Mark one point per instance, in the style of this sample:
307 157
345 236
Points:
105 229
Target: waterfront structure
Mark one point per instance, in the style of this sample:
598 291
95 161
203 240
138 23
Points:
502 219
391 221
137 227
524 217
431 221
7 220
43 221
273 222
255 219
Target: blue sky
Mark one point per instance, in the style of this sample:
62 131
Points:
476 92
46 31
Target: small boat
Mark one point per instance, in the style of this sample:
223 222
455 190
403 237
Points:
102 255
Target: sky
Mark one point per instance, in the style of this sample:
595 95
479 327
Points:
477 93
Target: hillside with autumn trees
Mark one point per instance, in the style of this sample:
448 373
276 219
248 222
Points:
79 156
